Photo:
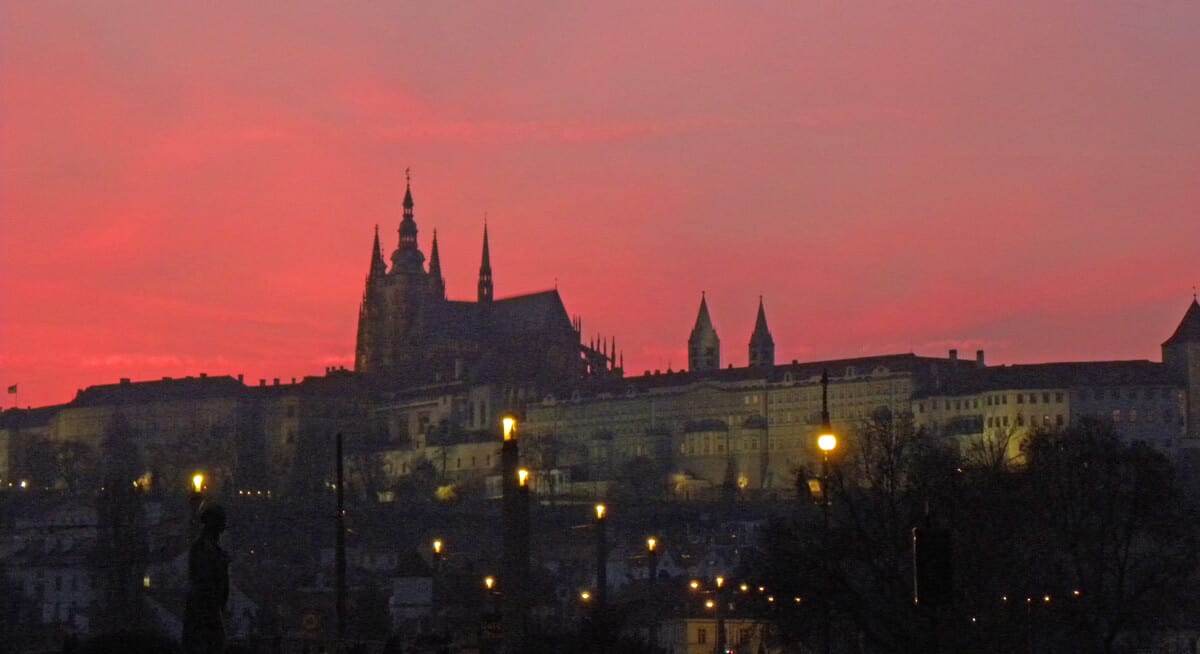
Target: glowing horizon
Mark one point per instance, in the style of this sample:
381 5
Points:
193 189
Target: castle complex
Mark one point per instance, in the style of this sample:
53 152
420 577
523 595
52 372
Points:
432 376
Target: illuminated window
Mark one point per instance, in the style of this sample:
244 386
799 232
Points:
1116 415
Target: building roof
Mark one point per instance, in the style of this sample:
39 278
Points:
17 418
160 390
1057 375
1188 330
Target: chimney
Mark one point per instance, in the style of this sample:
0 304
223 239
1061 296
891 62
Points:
204 375
276 381
979 359
124 380
954 355
239 378
262 382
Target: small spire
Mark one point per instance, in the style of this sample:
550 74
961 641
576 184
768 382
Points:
485 268
435 269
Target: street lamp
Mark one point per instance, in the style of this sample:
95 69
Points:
601 556
827 442
515 532
651 576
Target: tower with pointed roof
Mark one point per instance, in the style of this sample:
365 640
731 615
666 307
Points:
704 347
1181 356
436 282
762 346
485 271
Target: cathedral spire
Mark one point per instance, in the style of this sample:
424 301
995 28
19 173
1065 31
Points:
704 347
435 270
407 257
485 269
378 267
762 346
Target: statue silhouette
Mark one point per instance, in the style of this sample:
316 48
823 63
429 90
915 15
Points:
208 587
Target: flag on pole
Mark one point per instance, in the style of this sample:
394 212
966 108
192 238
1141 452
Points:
12 390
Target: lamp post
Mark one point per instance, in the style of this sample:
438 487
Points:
435 605
515 526
827 442
721 642
340 544
651 577
601 557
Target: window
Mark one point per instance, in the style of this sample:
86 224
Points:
1004 399
1020 398
1005 421
1020 420
1116 414
1046 398
1033 398
701 635
1058 397
1133 415
1058 420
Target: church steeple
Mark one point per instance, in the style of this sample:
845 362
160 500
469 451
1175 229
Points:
762 346
435 270
704 347
408 258
485 270
378 267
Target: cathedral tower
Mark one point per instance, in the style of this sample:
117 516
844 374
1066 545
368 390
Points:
704 348
762 346
485 271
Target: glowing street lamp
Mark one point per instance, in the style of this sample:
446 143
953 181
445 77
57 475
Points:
198 482
509 425
522 477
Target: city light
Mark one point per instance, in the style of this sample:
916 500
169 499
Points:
600 511
827 442
198 482
522 476
510 427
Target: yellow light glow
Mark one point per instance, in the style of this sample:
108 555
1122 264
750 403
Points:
198 482
489 581
585 596
1046 598
600 510
146 581
770 598
522 476
694 585
720 581
744 587
510 427
708 604
24 484
437 546
827 442
651 543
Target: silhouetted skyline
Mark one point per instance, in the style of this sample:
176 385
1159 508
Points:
189 189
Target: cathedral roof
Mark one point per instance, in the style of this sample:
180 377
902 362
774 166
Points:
534 312
1188 330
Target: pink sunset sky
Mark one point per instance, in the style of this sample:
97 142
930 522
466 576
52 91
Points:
192 187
